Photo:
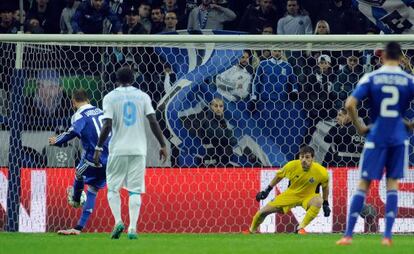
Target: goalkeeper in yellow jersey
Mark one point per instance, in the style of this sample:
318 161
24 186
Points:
305 176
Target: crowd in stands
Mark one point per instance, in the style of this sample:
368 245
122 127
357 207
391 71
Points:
158 16
319 80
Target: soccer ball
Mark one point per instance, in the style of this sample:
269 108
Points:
76 204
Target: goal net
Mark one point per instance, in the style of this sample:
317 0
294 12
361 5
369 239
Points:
233 109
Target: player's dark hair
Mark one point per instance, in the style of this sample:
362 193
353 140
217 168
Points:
307 149
125 76
80 95
393 51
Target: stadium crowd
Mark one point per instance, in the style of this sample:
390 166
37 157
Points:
320 80
156 16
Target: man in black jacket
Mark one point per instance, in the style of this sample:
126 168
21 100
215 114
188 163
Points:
346 143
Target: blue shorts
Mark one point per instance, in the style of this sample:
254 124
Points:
392 160
93 176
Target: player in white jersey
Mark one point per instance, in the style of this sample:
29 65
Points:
125 109
390 16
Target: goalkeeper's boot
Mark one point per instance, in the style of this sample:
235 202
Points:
301 231
132 234
71 231
386 242
72 202
344 241
117 231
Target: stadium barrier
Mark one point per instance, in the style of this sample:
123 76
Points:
199 200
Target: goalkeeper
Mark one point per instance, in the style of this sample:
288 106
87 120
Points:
305 176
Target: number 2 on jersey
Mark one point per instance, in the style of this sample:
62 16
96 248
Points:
130 113
390 101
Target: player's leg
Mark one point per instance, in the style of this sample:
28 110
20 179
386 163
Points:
115 177
281 204
397 163
87 207
371 167
135 184
75 191
260 216
312 206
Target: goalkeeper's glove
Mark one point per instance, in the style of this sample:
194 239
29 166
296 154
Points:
263 194
326 209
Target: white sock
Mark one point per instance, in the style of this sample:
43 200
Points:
134 207
114 201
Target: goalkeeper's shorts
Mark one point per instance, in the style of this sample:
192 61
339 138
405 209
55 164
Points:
287 201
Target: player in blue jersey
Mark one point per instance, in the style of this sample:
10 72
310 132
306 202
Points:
390 91
86 125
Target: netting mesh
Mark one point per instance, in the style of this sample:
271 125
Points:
229 111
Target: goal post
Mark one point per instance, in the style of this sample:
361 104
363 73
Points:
278 93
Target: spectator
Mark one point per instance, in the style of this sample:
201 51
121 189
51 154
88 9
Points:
267 29
255 17
345 142
295 21
7 23
316 94
217 138
144 15
32 26
133 25
157 18
322 27
49 105
170 21
90 15
234 83
336 14
274 80
48 15
16 16
171 6
209 16
66 17
346 81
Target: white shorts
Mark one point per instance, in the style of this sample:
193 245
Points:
126 171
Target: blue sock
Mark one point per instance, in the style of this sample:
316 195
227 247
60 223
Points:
354 211
87 208
77 189
391 208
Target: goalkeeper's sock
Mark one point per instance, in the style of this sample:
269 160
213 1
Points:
114 201
78 186
257 220
309 216
88 206
391 209
354 211
134 208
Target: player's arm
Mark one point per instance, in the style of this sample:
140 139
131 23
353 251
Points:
106 129
71 133
325 197
264 193
408 124
351 104
156 130
278 177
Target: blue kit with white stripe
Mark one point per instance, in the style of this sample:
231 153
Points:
86 125
390 91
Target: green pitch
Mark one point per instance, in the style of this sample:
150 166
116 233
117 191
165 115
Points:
11 243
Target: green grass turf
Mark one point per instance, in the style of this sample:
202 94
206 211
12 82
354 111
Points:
49 243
